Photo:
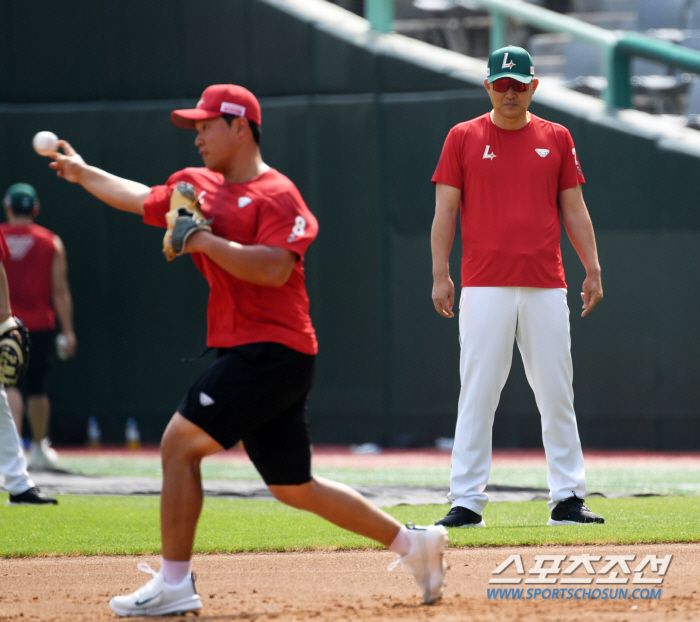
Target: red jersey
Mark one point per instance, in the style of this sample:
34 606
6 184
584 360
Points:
509 213
29 270
267 210
4 249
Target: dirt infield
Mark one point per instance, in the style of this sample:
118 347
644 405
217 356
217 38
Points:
354 585
344 585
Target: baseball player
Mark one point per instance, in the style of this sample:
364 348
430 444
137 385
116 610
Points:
39 290
13 465
512 178
247 229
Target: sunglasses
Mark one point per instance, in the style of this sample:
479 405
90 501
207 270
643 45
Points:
502 85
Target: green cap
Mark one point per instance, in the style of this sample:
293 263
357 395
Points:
511 62
21 199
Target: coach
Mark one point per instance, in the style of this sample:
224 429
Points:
513 178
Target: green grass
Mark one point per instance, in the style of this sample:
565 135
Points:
632 479
657 479
129 525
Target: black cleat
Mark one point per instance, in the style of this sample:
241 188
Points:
573 511
461 517
32 496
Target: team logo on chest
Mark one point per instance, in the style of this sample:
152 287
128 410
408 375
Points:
243 201
487 155
19 245
543 153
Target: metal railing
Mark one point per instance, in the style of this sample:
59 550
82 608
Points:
618 47
380 14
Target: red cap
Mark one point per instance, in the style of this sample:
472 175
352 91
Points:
217 100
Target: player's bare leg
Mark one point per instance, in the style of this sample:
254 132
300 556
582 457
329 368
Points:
342 506
38 413
183 447
420 549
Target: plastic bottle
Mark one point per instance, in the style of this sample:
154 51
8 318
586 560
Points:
93 433
133 438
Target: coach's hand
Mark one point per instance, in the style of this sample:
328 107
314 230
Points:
444 296
592 292
68 164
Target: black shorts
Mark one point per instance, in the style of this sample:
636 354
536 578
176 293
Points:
257 393
40 356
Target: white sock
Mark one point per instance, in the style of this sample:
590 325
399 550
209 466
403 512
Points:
402 543
174 572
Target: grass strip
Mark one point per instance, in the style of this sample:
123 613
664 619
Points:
633 479
85 525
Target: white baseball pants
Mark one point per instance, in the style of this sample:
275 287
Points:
13 465
538 319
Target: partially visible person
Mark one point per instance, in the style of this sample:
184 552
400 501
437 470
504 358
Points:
37 276
13 465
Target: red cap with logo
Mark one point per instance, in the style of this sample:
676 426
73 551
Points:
217 100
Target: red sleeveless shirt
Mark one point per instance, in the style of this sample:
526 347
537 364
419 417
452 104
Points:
29 274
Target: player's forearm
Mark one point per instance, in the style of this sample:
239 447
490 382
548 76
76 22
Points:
580 230
579 227
60 290
441 238
442 234
5 308
63 305
122 194
262 265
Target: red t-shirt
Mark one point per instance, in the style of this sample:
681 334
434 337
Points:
509 214
29 270
269 211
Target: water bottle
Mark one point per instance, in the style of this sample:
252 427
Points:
62 347
133 438
93 433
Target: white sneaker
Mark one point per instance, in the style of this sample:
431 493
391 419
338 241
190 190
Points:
425 559
50 453
37 456
157 598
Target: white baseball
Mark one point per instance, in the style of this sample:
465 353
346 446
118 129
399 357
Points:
45 143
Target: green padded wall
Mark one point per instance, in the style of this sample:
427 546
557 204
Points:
359 130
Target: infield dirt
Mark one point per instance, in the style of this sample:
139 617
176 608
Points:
339 585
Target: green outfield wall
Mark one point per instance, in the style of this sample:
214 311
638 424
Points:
358 125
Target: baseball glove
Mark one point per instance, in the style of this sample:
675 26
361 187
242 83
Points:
183 219
14 351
